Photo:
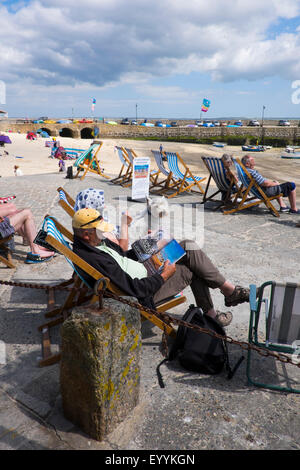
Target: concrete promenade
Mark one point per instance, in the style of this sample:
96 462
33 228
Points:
193 412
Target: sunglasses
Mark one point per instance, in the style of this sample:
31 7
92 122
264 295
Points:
91 221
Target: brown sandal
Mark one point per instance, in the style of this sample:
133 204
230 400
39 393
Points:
238 296
223 318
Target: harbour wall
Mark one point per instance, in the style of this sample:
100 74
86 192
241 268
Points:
85 131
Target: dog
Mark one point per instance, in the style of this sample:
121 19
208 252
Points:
153 218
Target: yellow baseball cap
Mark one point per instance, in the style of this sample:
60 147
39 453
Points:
90 218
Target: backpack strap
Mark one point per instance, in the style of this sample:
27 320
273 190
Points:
231 371
159 376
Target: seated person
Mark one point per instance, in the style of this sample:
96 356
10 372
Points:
227 163
273 188
92 198
23 223
195 269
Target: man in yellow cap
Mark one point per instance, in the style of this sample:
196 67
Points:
195 269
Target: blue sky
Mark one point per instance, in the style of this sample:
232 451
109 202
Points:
164 55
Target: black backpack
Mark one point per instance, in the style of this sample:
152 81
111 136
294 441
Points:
69 173
198 351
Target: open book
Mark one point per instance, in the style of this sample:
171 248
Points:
154 251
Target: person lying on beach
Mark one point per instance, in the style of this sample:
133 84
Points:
195 269
273 188
23 223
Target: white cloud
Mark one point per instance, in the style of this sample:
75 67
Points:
103 43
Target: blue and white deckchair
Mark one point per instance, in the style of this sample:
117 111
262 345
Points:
125 174
187 179
78 295
170 182
253 194
217 172
56 234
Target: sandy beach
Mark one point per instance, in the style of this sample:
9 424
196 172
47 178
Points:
33 156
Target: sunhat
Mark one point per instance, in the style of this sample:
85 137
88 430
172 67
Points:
90 218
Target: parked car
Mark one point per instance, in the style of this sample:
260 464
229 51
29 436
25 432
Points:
125 121
208 124
238 123
174 124
161 124
254 123
284 122
216 123
199 123
134 122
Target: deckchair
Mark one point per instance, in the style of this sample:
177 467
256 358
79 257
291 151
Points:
5 250
187 179
253 194
224 185
88 161
279 331
125 174
56 238
169 183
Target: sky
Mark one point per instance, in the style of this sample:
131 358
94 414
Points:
157 59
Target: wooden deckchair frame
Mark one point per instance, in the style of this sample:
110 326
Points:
250 201
185 183
88 162
75 299
8 260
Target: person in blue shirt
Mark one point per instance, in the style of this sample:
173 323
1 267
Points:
273 188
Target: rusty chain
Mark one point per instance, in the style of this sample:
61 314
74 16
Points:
167 318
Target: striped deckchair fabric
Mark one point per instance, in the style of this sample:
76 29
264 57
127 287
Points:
125 174
253 194
66 202
88 161
279 331
4 200
83 155
283 321
187 179
217 172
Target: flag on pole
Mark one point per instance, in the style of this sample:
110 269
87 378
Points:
205 105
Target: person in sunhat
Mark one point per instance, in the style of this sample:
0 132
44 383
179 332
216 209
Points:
122 267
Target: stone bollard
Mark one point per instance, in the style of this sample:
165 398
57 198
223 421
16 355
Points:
100 370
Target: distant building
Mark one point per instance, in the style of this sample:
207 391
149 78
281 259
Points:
3 114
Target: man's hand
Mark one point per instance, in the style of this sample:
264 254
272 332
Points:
168 270
126 219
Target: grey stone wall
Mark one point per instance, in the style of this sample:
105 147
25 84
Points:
122 131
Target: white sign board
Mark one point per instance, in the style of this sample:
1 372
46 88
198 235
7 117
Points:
140 178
